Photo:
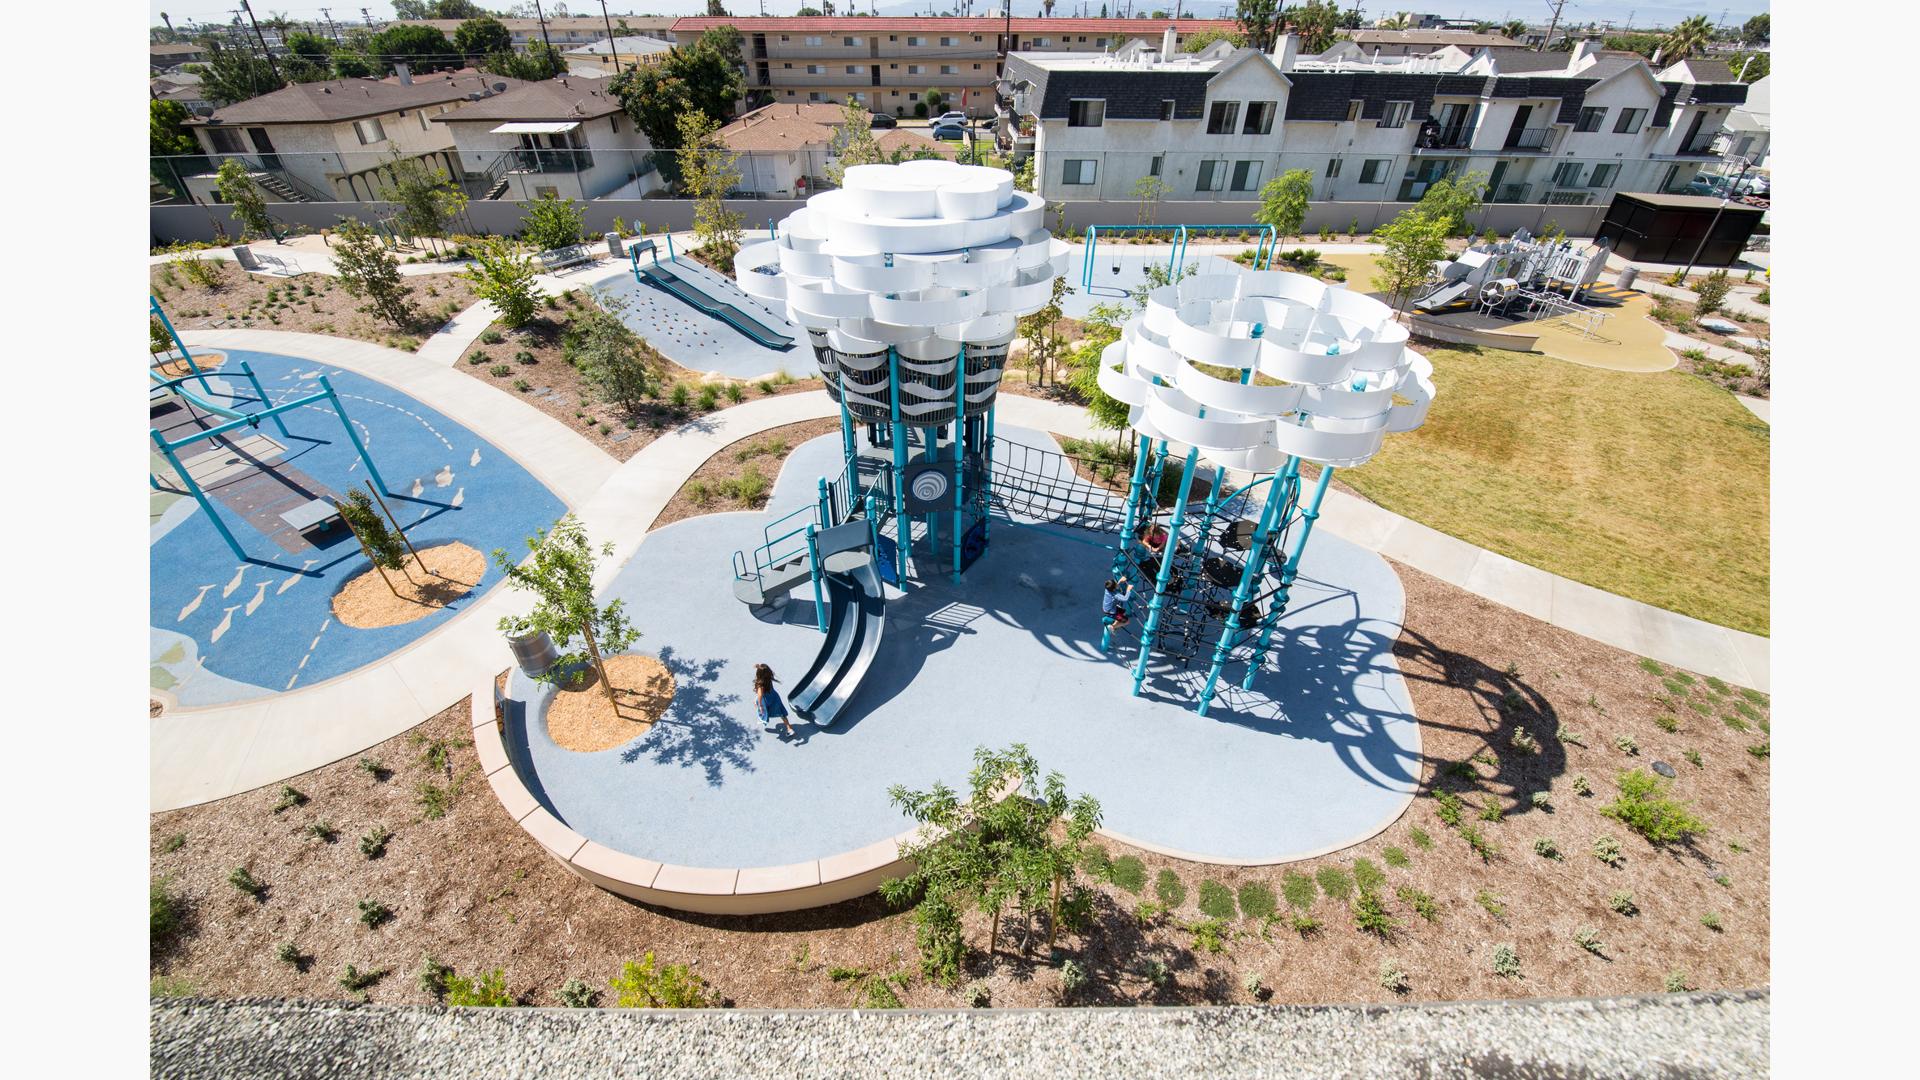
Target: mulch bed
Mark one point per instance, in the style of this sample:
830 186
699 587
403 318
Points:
716 486
473 890
310 303
1717 371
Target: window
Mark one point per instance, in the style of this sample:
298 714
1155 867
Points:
914 41
614 120
816 69
1077 171
948 69
1260 118
1353 110
813 95
1041 43
1221 118
227 141
976 67
1098 43
913 69
1396 114
1603 175
1166 108
813 41
855 69
1246 175
1591 119
1567 174
1082 39
1374 170
1159 162
1084 112
1213 175
1333 168
946 42
849 42
788 66
1630 121
369 131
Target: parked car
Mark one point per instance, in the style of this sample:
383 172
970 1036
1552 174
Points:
947 118
882 120
949 131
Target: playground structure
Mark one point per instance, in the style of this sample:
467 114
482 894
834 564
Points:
664 279
909 280
1268 245
1524 277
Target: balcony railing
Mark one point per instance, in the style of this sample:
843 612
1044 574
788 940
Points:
1533 138
1701 143
552 161
1510 193
1444 139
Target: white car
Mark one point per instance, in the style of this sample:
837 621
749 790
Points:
946 118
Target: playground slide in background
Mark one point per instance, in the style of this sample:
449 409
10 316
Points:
1443 296
858 619
658 275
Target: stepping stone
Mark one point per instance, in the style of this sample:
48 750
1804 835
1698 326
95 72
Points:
1720 326
542 391
1751 342
1663 769
619 436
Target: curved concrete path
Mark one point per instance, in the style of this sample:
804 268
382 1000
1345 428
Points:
205 754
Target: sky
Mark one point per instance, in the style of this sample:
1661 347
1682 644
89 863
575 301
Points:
1621 13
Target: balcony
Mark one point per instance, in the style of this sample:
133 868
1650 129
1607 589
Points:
1700 145
1510 193
1443 142
1533 138
551 161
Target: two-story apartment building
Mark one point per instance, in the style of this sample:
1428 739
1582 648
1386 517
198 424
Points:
1539 128
564 33
888 64
328 141
566 137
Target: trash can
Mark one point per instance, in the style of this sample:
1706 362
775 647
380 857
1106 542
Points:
533 652
613 246
1627 277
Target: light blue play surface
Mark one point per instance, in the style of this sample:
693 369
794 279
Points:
698 341
1321 753
265 626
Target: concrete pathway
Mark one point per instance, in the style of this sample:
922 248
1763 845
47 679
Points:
200 755
1760 407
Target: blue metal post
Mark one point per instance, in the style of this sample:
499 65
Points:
1167 557
261 393
823 512
813 570
1086 256
1256 558
873 531
359 447
1288 570
201 496
902 524
986 472
959 455
154 307
671 257
1136 491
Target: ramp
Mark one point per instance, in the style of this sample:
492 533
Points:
858 619
660 277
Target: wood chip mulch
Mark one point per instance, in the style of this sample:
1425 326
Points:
581 719
372 599
310 303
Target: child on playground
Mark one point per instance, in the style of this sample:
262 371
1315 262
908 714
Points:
1113 602
767 699
1151 535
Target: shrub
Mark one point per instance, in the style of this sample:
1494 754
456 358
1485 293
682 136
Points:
374 844
1392 978
1250 982
1622 903
1545 848
671 986
1652 667
289 798
1668 724
1129 873
1419 838
174 843
500 371
490 336
1567 735
1523 742
372 767
1073 978
1298 889
373 913
1506 962
1304 925
1693 758
1493 904
1491 810
1335 882
1589 939
576 994
979 995
435 799
709 398
1761 750
356 980
680 396
1481 846
432 976
243 880
1168 887
735 393
1539 800
1209 934
1421 902
1710 293
1368 877
289 954
1581 786
1607 850
1676 982
167 913
1095 863
323 831
1370 916
1711 920
1257 900
552 222
488 992
1156 972
523 386
1626 745
1643 806
1447 807
1396 858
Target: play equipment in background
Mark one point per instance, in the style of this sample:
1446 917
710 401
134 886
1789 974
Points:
1524 277
1269 244
663 278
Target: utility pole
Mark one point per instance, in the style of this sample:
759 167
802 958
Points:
1548 40
169 22
614 45
1726 194
248 8
543 25
330 30
365 14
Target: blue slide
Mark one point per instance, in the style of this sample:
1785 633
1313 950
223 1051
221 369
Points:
859 617
660 277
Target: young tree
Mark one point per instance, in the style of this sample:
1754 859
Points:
166 129
994 849
560 576
1149 190
853 143
1757 30
422 48
552 222
933 99
1284 201
236 187
501 274
231 74
610 356
1200 39
370 272
1414 242
1451 199
1514 28
428 201
483 35
538 63
382 548
1046 346
309 56
703 78
1316 23
709 171
1261 19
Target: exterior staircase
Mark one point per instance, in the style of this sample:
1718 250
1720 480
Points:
282 190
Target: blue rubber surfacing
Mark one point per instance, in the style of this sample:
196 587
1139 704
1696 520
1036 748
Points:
1322 753
225 631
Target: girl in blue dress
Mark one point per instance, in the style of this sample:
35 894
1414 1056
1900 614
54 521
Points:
767 699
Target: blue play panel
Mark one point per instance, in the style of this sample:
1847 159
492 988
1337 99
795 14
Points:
224 630
1322 752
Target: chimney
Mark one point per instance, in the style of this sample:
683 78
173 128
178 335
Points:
1169 44
405 73
1583 55
1286 49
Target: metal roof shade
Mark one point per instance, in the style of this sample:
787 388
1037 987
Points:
545 127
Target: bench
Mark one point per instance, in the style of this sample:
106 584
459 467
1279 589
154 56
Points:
563 257
311 516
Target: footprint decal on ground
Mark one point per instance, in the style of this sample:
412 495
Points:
418 487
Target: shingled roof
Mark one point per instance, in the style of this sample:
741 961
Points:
565 98
350 99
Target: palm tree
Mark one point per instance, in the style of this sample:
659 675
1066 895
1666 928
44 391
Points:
1687 39
1046 8
1515 28
1398 22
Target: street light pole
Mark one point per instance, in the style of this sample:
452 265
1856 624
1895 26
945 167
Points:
1725 195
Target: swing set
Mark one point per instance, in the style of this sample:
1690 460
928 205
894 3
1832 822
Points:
234 420
1269 244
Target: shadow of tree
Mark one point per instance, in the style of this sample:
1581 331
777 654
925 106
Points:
1512 714
698 729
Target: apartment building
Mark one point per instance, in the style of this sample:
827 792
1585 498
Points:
1565 129
888 64
566 137
565 33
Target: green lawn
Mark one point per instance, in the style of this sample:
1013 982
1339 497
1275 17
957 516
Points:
1652 486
